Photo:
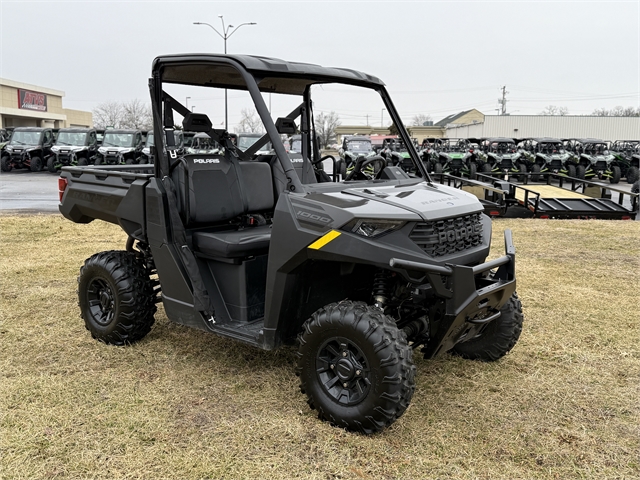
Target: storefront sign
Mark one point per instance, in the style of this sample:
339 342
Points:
32 100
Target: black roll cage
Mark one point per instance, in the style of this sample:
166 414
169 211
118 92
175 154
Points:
251 77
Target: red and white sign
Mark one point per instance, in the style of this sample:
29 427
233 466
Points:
32 100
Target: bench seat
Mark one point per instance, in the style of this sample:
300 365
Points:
233 244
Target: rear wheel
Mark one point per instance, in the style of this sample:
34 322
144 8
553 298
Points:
632 174
498 337
581 172
616 174
36 164
355 367
116 297
5 164
51 165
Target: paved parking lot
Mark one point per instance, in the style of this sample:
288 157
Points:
23 191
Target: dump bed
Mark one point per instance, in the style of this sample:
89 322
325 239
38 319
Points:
113 193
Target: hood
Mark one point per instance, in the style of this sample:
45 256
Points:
67 148
417 200
114 150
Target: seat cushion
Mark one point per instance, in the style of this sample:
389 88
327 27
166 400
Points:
233 244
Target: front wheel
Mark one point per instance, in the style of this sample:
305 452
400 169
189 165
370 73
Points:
581 172
82 162
571 171
116 297
486 168
616 174
498 337
51 165
355 367
5 164
535 173
36 164
473 171
437 167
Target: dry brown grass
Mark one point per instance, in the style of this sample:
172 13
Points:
184 405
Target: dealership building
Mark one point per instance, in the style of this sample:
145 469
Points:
26 105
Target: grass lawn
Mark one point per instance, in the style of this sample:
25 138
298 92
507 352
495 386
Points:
181 404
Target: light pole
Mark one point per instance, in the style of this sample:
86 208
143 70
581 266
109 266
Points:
227 31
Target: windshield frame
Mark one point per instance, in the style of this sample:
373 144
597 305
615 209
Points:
167 69
22 143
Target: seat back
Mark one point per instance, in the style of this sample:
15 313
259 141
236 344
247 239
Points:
213 189
302 167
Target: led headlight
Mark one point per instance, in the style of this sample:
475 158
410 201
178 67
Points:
371 227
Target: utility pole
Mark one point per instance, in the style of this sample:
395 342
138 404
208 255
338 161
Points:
367 119
503 101
227 31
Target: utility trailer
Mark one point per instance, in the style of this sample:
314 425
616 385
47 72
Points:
569 198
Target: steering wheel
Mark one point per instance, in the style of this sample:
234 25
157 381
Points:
362 162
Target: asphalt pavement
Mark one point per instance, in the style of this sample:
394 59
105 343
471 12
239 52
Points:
24 191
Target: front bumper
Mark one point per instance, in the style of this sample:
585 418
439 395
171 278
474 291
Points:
472 296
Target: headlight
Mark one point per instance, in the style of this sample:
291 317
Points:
372 227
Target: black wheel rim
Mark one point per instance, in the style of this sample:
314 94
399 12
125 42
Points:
101 301
343 371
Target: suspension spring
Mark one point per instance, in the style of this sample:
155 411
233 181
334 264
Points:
381 288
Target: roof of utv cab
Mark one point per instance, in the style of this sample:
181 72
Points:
293 77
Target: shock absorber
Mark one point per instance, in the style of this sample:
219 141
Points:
381 288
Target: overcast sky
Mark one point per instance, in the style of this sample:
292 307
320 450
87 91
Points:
436 58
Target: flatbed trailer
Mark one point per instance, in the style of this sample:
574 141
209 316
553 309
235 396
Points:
559 197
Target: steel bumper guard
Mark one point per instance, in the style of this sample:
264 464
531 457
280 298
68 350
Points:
472 296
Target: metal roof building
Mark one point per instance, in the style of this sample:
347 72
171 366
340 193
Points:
568 126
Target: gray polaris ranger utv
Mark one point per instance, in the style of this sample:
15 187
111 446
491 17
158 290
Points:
358 273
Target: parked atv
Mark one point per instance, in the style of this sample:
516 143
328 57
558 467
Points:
353 146
120 147
627 153
203 144
358 273
502 156
29 147
246 141
5 136
594 159
455 156
546 155
74 146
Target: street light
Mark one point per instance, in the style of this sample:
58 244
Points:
227 31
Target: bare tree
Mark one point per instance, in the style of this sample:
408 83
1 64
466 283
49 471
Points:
325 125
420 119
108 114
250 122
137 115
553 110
133 114
618 111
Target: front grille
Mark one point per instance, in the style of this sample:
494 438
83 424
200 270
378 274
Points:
445 237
